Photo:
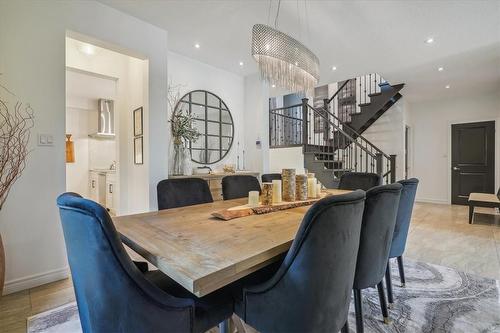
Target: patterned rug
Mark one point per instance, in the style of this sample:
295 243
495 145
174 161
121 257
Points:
436 299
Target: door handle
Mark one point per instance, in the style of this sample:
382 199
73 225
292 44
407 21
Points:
456 168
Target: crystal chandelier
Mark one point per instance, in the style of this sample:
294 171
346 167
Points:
283 60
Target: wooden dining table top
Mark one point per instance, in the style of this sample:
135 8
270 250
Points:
203 253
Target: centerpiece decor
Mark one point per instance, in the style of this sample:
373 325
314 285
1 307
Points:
16 122
267 194
182 130
288 179
284 61
301 187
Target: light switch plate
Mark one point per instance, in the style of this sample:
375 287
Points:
45 140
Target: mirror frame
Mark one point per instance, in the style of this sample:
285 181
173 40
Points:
221 108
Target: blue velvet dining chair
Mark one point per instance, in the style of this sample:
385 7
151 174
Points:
379 219
182 192
238 186
113 295
359 180
401 232
311 290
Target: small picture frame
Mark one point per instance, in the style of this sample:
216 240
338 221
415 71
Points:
138 151
138 122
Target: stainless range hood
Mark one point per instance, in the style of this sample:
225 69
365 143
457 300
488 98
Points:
105 120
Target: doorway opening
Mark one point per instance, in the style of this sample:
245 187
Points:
472 160
103 88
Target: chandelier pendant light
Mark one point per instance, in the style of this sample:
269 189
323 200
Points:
284 61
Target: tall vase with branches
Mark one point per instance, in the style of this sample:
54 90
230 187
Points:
16 122
182 129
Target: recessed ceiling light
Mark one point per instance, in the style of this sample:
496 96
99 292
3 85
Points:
429 40
440 69
334 68
197 45
274 86
447 86
241 63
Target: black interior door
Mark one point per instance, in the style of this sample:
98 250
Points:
472 160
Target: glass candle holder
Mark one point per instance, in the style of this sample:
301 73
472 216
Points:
253 198
267 194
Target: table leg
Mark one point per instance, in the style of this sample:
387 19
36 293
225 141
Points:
471 213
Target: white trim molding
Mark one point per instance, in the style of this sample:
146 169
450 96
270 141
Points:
36 280
434 201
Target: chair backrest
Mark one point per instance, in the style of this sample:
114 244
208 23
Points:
379 219
112 294
311 290
269 177
404 216
238 186
182 192
359 180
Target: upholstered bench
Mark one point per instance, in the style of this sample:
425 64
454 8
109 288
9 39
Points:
482 200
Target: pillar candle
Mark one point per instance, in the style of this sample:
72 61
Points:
318 190
253 198
276 191
301 187
311 187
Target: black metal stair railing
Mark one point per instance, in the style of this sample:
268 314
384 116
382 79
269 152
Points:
340 148
325 132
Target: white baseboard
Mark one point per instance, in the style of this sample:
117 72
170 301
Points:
434 201
36 280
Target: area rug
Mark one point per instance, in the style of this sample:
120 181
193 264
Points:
436 299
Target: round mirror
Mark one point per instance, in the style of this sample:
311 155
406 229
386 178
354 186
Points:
213 121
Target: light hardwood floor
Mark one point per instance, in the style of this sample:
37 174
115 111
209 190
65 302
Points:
439 234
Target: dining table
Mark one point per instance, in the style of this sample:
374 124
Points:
203 253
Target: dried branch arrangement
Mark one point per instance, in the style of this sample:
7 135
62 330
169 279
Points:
16 122
181 121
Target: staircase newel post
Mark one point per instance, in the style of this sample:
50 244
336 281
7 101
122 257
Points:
304 123
393 168
379 163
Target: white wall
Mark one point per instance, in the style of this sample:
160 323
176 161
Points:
388 134
286 158
194 75
32 60
430 124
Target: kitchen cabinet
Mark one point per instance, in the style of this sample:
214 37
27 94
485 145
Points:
97 187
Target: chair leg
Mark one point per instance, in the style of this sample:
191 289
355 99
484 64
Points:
388 283
345 329
224 326
401 271
383 303
471 213
358 308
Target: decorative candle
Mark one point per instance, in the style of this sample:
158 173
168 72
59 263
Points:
288 178
311 187
267 193
301 187
318 189
310 175
276 191
253 198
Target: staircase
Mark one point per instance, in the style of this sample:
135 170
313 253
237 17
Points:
331 135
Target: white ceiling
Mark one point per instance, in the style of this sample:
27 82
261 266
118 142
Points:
357 37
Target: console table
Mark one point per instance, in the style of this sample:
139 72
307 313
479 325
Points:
214 180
